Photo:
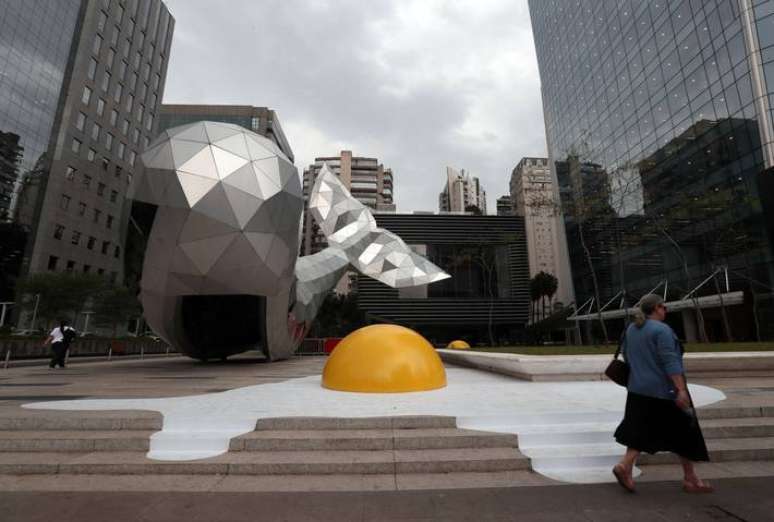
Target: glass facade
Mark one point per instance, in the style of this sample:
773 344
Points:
35 38
659 133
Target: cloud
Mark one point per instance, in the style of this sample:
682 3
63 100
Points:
418 84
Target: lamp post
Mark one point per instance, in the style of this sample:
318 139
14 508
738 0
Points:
35 312
5 306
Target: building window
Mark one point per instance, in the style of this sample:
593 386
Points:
119 169
156 81
86 181
90 243
86 96
129 103
100 271
113 277
111 57
80 121
133 81
86 269
70 174
91 156
105 164
64 203
149 122
97 214
136 136
105 246
117 93
121 149
140 112
58 231
100 189
109 141
81 208
101 21
113 196
105 81
76 146
122 69
132 157
137 60
92 73
117 252
52 261
113 117
109 222
100 106
97 45
120 14
95 130
114 35
125 127
76 237
70 265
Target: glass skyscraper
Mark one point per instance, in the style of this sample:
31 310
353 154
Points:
81 82
659 129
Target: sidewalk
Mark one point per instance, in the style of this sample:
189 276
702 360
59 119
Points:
736 500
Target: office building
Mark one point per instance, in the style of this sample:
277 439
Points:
504 206
367 180
489 288
660 138
260 120
462 193
533 198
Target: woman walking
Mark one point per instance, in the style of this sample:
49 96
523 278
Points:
659 415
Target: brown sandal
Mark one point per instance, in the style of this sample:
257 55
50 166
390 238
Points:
620 476
705 487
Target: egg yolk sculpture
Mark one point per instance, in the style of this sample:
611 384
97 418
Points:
458 345
384 358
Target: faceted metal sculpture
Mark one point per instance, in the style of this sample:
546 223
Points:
221 273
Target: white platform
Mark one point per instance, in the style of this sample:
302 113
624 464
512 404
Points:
565 427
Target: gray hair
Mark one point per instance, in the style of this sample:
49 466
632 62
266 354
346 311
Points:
646 307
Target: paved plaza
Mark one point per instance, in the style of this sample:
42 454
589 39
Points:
745 476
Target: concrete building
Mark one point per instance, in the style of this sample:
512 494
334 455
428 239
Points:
80 85
461 192
367 180
260 120
660 137
533 198
487 259
504 206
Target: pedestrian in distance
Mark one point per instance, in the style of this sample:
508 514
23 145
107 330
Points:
659 412
60 339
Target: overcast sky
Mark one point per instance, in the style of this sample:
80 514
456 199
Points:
417 84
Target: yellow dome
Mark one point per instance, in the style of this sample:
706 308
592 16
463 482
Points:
384 358
458 345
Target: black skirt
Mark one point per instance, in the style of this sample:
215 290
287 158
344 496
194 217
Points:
652 425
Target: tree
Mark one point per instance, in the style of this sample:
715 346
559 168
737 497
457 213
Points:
115 305
60 295
474 210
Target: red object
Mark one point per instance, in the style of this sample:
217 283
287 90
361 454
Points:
330 343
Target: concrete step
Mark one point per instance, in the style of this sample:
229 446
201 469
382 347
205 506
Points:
45 441
269 463
602 455
599 433
81 421
355 423
725 450
373 439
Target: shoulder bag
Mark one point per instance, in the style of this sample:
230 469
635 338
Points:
618 370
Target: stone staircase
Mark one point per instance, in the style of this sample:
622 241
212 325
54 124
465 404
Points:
574 446
579 447
304 446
